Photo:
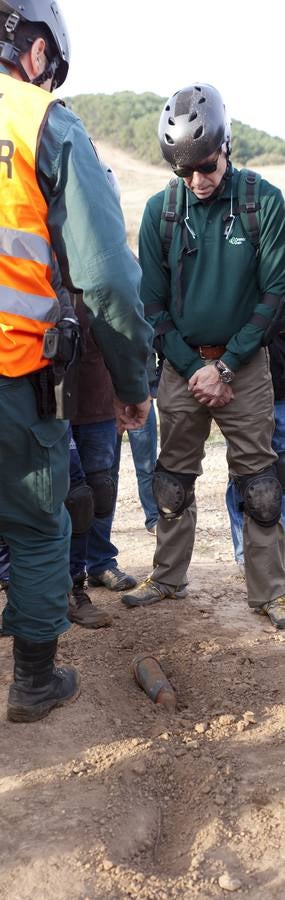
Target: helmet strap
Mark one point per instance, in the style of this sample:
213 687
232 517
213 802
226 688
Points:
49 72
227 174
22 71
229 170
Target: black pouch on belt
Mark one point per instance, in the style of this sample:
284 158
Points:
63 346
43 384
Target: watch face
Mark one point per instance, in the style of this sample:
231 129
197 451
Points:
226 377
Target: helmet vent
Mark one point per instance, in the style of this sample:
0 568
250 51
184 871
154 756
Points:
169 140
171 121
167 108
202 100
198 133
183 103
192 117
198 88
12 22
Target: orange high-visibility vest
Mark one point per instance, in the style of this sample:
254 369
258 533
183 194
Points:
28 304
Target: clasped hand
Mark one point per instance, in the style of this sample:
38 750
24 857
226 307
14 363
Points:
207 387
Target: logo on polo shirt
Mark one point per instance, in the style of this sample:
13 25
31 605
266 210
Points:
237 240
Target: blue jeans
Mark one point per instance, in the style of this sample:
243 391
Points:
94 451
143 443
233 497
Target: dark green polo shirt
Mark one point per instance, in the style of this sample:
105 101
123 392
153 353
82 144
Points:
221 281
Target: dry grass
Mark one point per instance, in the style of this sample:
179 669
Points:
275 174
139 180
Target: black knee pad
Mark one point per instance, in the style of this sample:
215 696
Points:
79 502
104 492
172 492
262 496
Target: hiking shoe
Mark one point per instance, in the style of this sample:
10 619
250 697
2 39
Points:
113 579
152 530
81 610
150 592
276 611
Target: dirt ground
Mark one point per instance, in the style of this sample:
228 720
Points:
112 798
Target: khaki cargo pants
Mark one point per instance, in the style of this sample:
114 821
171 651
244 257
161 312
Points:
247 423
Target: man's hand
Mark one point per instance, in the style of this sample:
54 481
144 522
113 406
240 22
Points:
132 415
207 387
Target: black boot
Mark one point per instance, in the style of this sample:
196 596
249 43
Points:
38 685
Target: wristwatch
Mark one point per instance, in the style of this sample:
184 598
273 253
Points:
226 375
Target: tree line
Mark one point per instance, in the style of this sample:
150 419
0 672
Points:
130 121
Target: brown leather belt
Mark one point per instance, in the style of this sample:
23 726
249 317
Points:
207 351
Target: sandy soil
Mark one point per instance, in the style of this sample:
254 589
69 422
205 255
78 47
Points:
111 797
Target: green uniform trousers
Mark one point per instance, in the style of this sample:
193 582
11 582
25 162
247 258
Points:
34 479
247 423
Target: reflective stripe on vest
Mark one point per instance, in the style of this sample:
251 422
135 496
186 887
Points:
28 304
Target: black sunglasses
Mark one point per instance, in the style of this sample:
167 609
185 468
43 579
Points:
204 169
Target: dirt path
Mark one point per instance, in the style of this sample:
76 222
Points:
109 797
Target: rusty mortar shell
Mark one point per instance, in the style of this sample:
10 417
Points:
150 676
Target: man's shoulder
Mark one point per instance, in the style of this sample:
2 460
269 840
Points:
60 126
60 115
265 188
271 200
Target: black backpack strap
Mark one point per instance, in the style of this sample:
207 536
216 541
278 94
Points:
249 204
169 215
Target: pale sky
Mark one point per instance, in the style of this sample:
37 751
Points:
157 46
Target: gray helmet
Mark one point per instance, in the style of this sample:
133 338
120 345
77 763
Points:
14 34
193 124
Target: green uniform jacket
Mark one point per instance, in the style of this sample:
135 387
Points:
210 295
88 235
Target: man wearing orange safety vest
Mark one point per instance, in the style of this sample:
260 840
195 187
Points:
47 164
